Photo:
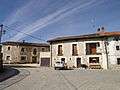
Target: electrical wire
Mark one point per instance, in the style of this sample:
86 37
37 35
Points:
9 28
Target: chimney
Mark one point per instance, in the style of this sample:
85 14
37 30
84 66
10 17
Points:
23 41
101 30
98 30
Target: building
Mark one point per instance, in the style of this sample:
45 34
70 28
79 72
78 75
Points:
101 49
24 52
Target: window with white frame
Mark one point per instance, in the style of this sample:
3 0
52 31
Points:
117 48
7 57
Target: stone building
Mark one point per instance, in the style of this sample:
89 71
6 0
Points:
101 49
24 52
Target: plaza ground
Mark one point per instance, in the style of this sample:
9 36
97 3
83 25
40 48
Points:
45 78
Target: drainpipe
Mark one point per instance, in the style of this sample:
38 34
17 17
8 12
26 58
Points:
40 57
51 53
106 52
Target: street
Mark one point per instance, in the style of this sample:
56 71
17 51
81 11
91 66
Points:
45 78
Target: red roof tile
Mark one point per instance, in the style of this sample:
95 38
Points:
87 36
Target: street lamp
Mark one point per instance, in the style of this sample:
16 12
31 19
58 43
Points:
1 32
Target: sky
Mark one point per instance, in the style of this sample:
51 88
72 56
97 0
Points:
42 20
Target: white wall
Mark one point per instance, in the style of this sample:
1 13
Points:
81 46
44 54
113 53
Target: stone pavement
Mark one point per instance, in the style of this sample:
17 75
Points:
49 79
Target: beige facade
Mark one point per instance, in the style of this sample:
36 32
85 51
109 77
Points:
22 52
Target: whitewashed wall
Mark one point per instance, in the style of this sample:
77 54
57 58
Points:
81 46
112 52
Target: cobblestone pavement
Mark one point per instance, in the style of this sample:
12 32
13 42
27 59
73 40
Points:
49 79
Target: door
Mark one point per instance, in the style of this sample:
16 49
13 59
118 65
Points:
63 60
34 59
78 62
45 62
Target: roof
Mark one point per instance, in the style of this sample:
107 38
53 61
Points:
87 36
26 44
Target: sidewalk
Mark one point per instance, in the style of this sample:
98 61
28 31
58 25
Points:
7 73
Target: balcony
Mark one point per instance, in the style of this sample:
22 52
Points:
60 54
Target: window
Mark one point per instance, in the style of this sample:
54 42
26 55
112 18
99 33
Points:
60 50
117 48
8 58
91 48
35 51
23 50
34 59
74 49
23 58
94 60
98 44
8 48
116 38
118 61
43 49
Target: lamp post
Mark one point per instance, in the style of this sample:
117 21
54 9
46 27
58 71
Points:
106 52
1 61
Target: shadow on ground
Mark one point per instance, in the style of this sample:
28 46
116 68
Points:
7 73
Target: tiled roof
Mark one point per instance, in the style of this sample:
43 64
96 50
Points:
25 44
87 36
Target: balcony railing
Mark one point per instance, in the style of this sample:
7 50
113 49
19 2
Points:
60 54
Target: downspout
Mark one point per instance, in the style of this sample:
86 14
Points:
51 52
106 52
40 57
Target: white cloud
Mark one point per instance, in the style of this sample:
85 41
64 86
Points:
52 18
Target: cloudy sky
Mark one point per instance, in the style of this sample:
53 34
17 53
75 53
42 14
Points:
47 19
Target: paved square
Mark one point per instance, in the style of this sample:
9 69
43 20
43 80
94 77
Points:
44 78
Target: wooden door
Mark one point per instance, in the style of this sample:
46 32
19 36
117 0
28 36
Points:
78 62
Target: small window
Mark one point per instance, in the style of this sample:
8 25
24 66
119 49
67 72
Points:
60 52
74 50
43 49
8 48
116 38
23 58
118 61
35 51
23 50
98 44
117 48
8 58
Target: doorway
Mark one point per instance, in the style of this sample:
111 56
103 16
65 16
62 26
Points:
78 62
34 59
63 60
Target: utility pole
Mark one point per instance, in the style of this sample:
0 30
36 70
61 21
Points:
1 61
